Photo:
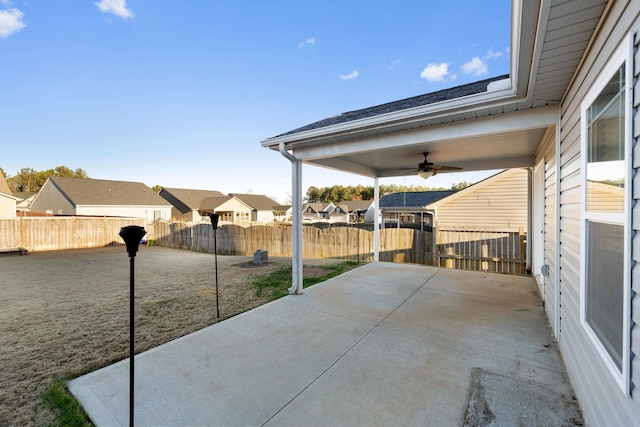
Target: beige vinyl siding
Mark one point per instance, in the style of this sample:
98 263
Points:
547 154
7 206
149 213
602 399
240 211
498 204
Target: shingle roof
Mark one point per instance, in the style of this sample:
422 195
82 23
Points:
23 195
192 198
4 187
211 203
92 192
403 104
256 201
281 208
414 199
356 205
317 206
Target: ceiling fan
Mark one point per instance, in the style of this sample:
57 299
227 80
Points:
427 169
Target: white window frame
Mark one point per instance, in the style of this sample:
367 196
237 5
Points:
622 55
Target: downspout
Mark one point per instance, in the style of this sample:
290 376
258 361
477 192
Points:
530 202
296 220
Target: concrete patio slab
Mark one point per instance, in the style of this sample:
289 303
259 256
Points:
385 344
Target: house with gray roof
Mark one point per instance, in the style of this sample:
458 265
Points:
231 209
358 210
186 202
99 197
25 198
497 203
409 209
317 211
282 213
262 207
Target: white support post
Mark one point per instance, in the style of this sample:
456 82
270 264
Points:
296 225
296 255
376 226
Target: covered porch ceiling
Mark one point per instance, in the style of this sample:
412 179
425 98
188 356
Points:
505 141
493 124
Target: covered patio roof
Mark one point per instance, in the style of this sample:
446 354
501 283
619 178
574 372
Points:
491 124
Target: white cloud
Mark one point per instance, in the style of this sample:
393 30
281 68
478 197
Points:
11 21
476 67
351 75
491 54
395 63
437 73
308 42
116 7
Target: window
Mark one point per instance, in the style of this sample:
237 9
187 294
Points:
605 224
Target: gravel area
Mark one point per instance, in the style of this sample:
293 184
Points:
66 313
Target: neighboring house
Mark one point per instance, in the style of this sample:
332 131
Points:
358 210
498 203
339 214
568 111
25 198
98 197
282 212
317 211
231 209
186 203
7 200
410 207
263 208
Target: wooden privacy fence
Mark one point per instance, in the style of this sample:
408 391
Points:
57 233
492 251
403 245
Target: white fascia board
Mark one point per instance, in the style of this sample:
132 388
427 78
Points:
518 120
525 28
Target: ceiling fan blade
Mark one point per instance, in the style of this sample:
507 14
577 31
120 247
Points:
445 168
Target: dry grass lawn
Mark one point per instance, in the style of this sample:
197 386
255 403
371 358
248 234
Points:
66 313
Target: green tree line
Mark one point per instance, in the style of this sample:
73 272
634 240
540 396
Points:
340 193
31 180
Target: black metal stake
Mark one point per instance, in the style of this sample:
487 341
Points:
132 235
214 223
132 341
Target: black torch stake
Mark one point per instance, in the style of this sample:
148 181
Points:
131 235
214 223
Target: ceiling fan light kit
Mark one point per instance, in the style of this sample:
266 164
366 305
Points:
426 169
426 174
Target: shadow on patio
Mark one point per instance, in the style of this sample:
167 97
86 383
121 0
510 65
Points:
385 344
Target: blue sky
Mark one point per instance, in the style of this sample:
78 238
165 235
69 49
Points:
180 93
